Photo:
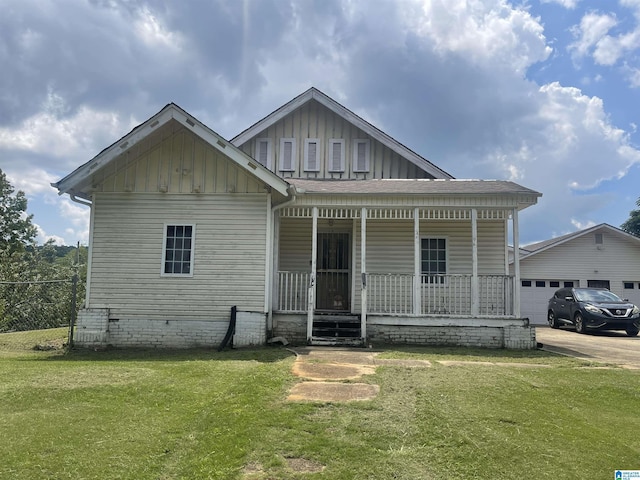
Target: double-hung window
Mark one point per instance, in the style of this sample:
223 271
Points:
178 250
434 260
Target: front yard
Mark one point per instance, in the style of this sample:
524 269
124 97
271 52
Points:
202 414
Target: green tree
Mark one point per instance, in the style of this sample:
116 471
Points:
16 230
632 225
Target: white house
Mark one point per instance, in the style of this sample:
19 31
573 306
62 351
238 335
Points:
317 226
600 256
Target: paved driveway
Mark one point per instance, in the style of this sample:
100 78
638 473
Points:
610 347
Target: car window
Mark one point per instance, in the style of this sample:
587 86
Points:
596 296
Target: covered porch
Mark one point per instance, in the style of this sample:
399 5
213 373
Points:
372 265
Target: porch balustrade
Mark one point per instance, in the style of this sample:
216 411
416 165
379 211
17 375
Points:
393 293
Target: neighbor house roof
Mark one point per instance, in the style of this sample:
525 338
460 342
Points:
535 248
79 180
348 115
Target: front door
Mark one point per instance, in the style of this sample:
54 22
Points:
333 274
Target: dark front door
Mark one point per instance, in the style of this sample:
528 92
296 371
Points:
333 272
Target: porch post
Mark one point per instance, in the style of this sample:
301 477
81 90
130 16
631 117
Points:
363 270
516 264
475 294
417 264
314 267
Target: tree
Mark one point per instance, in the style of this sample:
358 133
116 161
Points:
632 225
16 230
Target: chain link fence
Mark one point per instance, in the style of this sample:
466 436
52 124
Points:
38 315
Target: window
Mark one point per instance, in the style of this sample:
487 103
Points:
599 239
541 283
178 250
263 151
526 283
361 153
598 284
312 155
554 284
568 285
434 260
287 154
336 155
629 285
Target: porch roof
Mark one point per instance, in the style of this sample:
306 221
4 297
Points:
411 187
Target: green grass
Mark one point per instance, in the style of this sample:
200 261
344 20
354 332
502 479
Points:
203 414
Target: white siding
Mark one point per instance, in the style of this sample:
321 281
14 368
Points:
579 260
313 120
229 256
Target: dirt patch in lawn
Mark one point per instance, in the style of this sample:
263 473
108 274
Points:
331 371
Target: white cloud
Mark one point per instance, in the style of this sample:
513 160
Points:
570 4
78 220
591 31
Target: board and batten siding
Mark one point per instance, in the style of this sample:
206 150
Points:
229 256
174 160
315 121
617 259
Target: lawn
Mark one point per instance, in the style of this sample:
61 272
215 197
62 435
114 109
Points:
203 414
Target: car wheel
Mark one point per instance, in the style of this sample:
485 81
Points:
579 321
553 320
632 331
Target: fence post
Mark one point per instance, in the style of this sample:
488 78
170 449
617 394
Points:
72 322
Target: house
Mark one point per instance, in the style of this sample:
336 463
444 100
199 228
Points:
316 225
600 256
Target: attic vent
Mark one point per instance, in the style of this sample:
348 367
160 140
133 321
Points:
599 239
336 152
287 148
155 124
263 151
191 122
311 163
124 145
221 143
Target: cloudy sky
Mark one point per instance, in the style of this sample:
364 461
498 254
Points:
542 92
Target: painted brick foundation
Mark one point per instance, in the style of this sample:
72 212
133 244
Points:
478 332
94 328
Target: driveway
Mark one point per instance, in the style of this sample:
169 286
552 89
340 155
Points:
608 347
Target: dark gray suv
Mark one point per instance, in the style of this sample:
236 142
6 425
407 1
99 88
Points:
592 309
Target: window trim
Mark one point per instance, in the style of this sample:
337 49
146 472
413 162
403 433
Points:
367 155
318 144
330 165
281 165
425 276
269 151
164 250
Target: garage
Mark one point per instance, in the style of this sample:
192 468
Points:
534 296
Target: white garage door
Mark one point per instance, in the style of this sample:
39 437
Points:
535 295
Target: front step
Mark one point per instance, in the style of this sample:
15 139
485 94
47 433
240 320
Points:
336 326
337 342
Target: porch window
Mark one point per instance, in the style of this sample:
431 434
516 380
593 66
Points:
312 155
178 250
263 151
287 154
361 153
434 260
336 155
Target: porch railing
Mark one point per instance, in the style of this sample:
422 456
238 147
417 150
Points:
393 293
293 288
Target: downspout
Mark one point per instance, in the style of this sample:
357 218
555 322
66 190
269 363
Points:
90 248
291 190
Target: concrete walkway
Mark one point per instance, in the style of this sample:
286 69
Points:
330 373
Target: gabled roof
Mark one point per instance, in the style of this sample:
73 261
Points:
535 248
348 115
75 183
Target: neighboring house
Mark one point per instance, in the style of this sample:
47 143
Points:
600 256
319 227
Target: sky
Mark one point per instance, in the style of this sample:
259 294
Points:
545 93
